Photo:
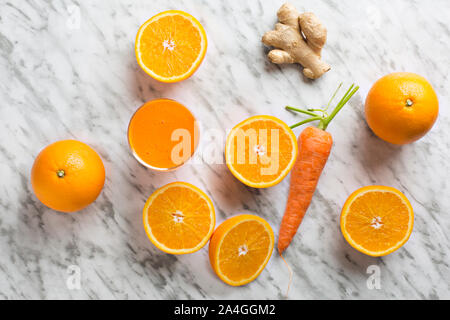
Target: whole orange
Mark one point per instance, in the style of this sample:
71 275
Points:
401 107
67 176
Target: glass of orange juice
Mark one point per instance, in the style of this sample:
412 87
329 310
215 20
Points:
163 134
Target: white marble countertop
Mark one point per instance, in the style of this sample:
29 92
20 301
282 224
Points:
68 70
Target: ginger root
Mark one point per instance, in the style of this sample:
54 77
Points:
299 38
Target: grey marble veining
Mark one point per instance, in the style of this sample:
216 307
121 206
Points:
68 70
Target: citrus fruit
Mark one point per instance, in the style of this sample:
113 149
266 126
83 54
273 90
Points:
179 218
67 176
240 249
171 46
261 151
377 220
401 107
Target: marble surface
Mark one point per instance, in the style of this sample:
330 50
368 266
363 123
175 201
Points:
68 70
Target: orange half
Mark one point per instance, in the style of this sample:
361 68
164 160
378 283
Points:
377 220
240 249
261 151
171 46
179 218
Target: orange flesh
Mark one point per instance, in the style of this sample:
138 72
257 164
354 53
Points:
179 218
175 32
150 133
252 171
253 239
377 221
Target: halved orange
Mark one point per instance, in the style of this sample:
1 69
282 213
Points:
261 151
179 218
377 220
171 46
240 249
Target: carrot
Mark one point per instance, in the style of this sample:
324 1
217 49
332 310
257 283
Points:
314 148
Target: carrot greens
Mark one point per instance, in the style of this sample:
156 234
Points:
323 117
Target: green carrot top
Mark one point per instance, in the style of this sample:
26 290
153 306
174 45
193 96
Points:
324 117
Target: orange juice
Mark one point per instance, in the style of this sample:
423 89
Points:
163 134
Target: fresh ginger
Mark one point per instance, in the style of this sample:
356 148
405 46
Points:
299 38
